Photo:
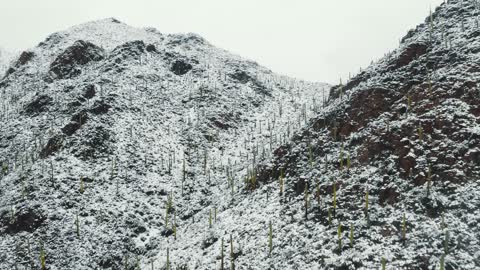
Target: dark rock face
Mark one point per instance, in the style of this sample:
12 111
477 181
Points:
24 58
77 121
365 106
180 67
38 105
243 77
25 220
94 145
388 196
151 48
68 63
412 52
89 91
100 107
129 50
53 145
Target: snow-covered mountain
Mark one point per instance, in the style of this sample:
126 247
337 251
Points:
119 143
404 133
125 148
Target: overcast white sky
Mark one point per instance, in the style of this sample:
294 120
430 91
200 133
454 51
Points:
316 40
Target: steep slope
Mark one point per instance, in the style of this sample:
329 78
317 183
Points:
115 141
403 133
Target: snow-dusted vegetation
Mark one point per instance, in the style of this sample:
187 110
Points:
125 148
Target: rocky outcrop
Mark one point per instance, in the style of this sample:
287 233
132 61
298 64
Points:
180 67
68 63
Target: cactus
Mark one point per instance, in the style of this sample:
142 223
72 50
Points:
168 260
184 171
270 238
341 158
366 204
43 258
232 261
384 263
334 198
420 133
329 216
348 162
351 235
310 155
210 219
221 257
409 102
82 185
166 217
306 201
77 225
281 182
174 227
137 264
442 262
429 180
125 265
445 242
339 233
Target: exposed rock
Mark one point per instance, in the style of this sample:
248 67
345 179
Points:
27 219
180 67
151 48
100 107
410 53
129 50
68 63
53 145
39 104
24 58
76 123
388 196
89 91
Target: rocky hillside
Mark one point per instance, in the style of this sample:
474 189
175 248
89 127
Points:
391 166
119 144
125 148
